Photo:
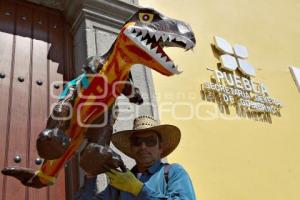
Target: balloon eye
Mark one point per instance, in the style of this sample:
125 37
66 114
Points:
146 17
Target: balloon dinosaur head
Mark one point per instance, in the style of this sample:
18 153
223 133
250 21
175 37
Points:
147 32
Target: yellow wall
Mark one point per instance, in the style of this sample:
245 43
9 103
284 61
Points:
237 159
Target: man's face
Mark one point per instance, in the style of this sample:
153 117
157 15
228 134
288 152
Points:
145 148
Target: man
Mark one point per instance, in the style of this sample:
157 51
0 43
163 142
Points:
150 179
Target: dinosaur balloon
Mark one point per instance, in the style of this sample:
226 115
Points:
92 94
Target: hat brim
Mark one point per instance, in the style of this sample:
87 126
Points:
170 138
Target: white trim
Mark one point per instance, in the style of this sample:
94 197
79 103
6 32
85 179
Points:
295 71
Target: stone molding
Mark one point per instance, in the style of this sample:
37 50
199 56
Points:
100 11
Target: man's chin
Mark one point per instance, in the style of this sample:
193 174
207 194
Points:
146 162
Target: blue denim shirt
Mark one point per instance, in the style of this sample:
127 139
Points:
155 187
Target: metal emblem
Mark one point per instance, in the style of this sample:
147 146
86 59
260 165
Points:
234 57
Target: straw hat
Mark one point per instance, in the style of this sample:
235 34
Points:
170 135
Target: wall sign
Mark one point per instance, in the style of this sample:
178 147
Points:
232 84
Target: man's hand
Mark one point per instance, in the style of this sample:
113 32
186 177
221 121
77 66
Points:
125 181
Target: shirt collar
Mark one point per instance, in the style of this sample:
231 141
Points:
153 169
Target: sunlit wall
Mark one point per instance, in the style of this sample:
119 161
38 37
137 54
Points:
230 157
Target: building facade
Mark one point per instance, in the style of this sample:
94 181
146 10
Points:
231 156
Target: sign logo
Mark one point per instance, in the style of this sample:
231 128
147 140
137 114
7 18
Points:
232 86
234 57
